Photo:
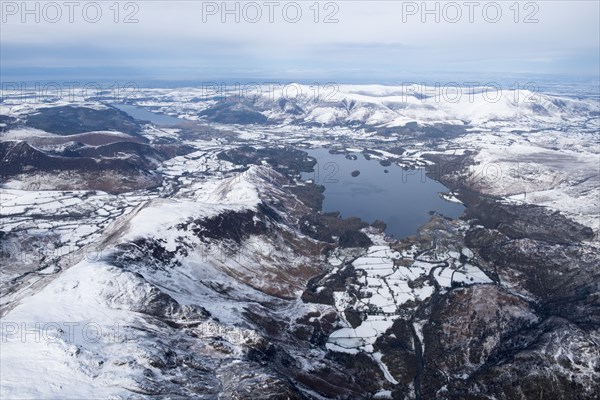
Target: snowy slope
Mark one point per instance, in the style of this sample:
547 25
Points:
376 105
116 325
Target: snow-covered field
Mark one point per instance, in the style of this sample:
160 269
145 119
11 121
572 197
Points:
89 312
530 147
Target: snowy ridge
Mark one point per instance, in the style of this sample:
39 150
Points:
204 286
112 322
377 105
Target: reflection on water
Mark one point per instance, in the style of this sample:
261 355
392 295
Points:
402 199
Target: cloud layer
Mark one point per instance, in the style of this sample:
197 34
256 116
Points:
345 40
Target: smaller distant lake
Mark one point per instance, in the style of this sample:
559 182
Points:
143 114
402 199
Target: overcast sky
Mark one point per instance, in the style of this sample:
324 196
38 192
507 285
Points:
371 40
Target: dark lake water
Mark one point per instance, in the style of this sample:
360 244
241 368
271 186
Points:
402 199
144 115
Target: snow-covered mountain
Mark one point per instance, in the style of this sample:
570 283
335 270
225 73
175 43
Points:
190 261
164 309
371 106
